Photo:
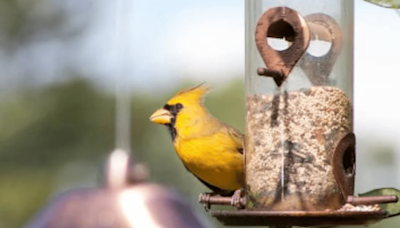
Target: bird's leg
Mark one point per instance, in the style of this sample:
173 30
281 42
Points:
204 197
237 197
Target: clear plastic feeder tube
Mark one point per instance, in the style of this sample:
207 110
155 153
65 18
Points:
294 131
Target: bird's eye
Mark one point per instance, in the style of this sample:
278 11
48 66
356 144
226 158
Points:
179 106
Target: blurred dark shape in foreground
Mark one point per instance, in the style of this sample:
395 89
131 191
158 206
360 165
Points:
125 201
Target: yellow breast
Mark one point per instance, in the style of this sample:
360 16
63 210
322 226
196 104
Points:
214 159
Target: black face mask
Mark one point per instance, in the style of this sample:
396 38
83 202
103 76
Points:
174 110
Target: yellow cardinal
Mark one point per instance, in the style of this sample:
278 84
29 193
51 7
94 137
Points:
209 149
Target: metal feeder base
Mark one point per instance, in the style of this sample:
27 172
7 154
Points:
297 218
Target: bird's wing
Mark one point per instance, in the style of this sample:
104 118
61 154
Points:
237 137
212 187
239 140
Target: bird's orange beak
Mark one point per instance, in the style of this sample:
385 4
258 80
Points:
161 116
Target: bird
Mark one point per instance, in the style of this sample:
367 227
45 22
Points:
211 150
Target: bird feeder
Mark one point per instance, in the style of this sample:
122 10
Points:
300 146
125 201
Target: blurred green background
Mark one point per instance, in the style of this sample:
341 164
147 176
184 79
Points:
60 63
56 137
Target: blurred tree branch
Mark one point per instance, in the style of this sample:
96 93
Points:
24 22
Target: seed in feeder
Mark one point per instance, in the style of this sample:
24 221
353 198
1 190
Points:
350 207
289 144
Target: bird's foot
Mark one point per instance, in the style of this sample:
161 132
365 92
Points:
238 199
205 199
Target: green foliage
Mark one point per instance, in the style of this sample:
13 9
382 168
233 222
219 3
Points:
22 191
43 130
46 129
22 22
51 121
395 4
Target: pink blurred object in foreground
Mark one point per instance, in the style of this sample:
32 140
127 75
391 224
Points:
126 201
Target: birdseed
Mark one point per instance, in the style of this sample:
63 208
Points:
290 138
350 207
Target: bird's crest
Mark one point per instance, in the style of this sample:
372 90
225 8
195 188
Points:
194 94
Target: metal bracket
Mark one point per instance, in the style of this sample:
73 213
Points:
281 22
325 28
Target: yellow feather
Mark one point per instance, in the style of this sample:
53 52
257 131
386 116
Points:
191 95
213 158
207 147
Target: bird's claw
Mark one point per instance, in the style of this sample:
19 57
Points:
237 200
